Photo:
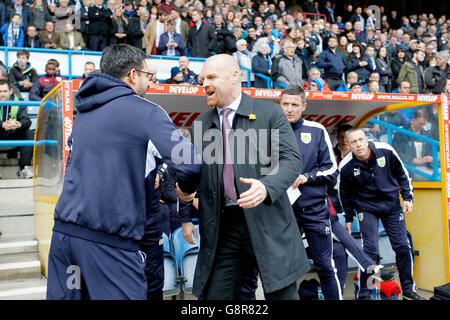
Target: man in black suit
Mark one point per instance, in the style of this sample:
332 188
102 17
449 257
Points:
100 26
245 216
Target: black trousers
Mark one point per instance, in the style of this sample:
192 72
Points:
26 153
234 258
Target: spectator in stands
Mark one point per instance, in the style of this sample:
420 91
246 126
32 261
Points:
22 75
360 34
251 39
244 58
49 36
384 69
166 6
88 68
152 69
262 63
356 87
120 27
358 62
181 26
171 43
40 14
71 40
373 86
271 42
438 73
306 50
15 125
99 26
2 14
84 19
287 66
201 39
413 151
23 11
396 65
176 76
413 72
332 64
64 14
12 33
189 76
314 73
154 30
46 83
32 40
352 77
224 38
137 26
316 85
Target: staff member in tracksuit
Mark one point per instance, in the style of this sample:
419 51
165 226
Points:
371 176
319 171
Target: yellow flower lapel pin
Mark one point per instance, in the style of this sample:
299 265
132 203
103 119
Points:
252 116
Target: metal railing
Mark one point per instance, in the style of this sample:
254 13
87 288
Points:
434 148
315 15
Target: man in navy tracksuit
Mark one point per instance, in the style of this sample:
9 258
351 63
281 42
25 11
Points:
101 215
371 176
319 171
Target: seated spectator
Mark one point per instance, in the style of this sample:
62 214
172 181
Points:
88 68
71 40
46 83
12 33
189 76
120 27
358 62
413 72
32 40
15 125
373 87
414 151
171 43
352 77
314 73
22 75
244 59
21 8
287 66
152 69
374 76
262 63
49 36
356 87
316 85
176 76
438 73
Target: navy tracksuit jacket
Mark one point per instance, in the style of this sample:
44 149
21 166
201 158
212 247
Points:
371 189
311 208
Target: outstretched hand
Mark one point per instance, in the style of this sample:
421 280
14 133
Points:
253 196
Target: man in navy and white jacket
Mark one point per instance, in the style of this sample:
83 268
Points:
371 177
101 216
319 171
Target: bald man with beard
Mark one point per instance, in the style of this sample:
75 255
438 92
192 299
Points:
246 220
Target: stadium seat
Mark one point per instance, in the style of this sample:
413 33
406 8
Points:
186 255
171 277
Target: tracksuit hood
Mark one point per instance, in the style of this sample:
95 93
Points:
98 89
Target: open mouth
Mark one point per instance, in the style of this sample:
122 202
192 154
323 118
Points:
209 92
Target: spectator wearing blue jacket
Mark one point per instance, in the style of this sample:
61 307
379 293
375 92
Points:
171 43
332 63
101 215
319 171
262 63
12 32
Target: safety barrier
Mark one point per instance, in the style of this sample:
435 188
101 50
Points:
434 148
